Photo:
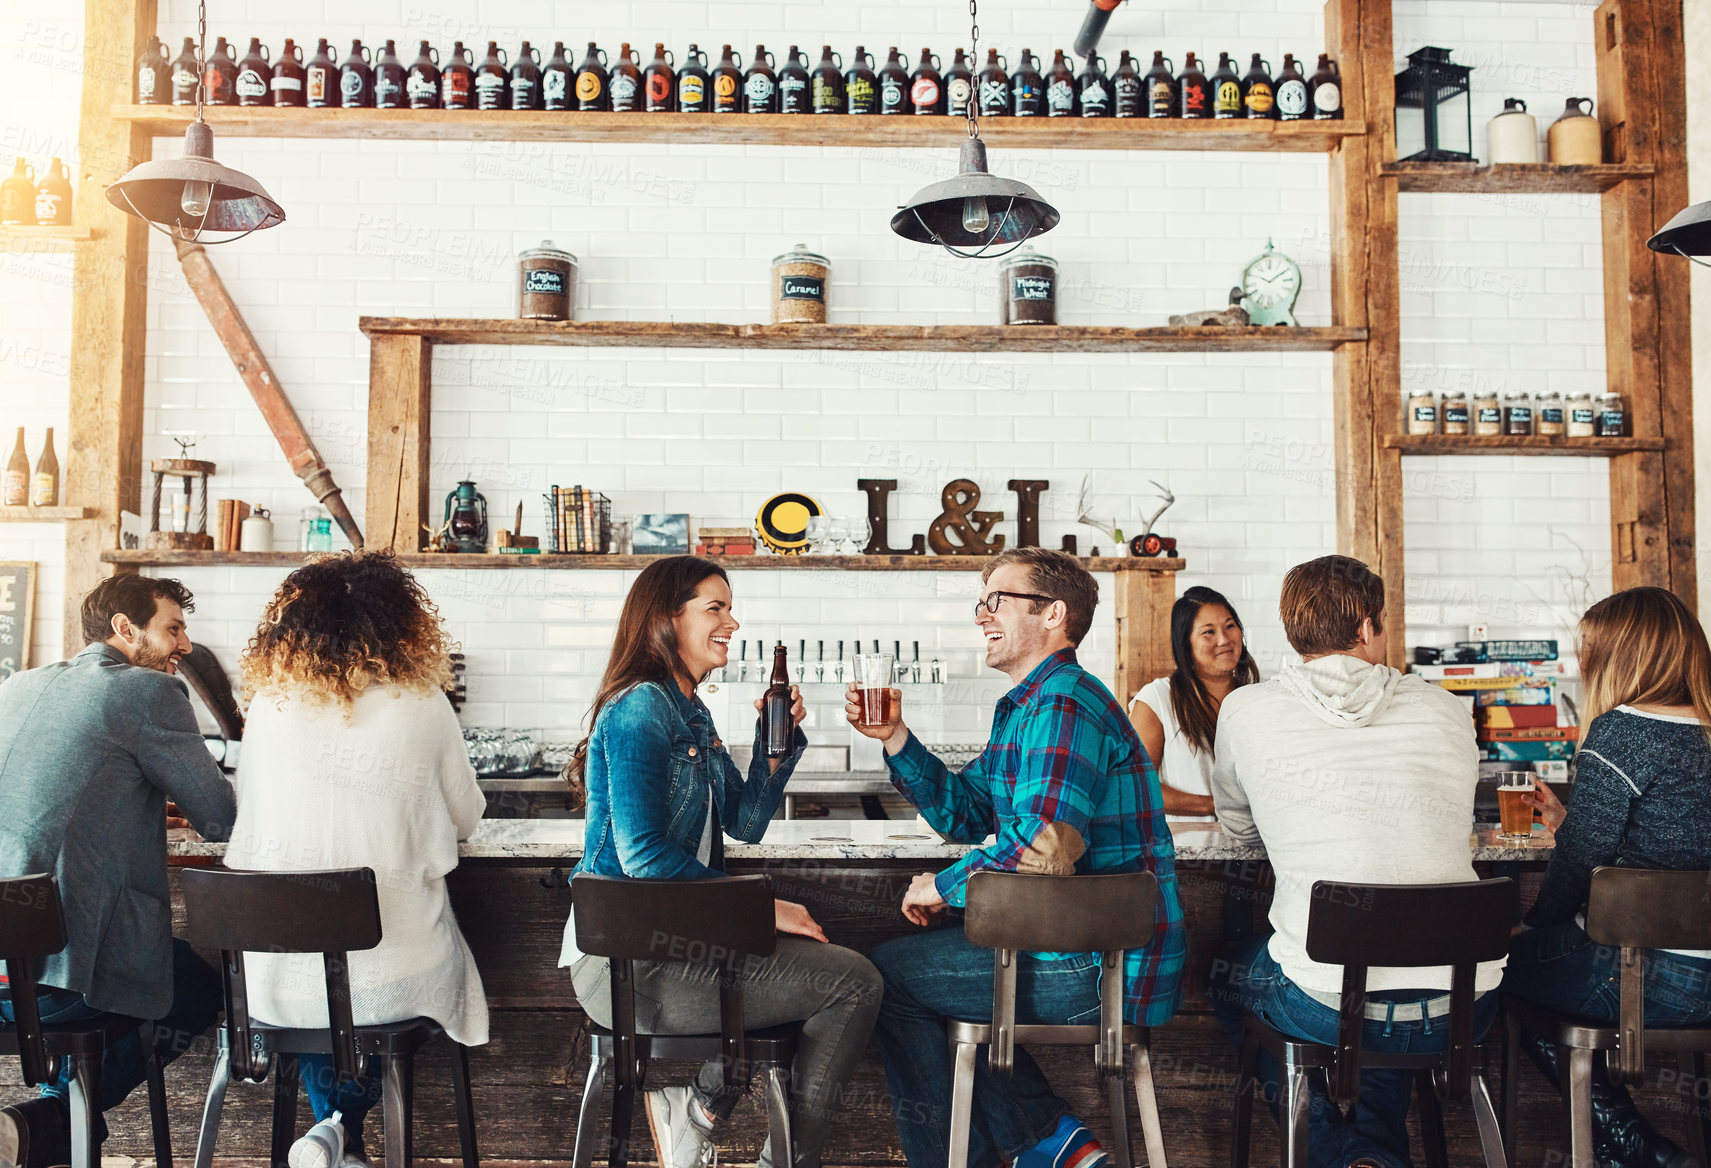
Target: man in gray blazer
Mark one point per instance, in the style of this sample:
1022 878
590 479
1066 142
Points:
91 749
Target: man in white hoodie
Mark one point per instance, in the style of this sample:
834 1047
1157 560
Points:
1346 770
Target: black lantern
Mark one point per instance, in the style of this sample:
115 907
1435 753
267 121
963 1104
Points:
1434 117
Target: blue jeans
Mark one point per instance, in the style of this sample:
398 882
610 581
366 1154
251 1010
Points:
1561 967
1248 980
352 1100
938 975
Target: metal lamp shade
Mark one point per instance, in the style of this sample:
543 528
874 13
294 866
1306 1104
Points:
1015 209
1688 234
154 190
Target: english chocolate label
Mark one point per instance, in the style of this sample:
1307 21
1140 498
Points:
543 280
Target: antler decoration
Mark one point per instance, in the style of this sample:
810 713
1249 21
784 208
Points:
1169 498
1083 506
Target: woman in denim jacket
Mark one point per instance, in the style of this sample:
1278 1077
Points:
662 793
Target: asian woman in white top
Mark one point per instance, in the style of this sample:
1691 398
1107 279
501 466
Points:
1177 716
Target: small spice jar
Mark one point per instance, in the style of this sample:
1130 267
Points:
1548 417
799 287
1612 415
546 285
1518 414
1422 412
1029 284
1455 412
1581 419
1487 413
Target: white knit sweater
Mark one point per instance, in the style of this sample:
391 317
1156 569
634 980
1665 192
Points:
390 788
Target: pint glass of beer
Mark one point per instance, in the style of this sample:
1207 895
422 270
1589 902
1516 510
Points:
873 679
1516 816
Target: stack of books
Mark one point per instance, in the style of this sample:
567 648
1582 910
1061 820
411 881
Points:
725 541
230 517
579 521
1515 710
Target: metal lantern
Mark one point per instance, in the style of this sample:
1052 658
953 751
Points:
1434 116
1688 234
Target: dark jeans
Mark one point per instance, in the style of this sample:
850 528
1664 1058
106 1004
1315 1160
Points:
197 998
1248 980
937 975
352 1100
1561 967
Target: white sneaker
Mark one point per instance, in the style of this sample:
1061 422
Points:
322 1146
14 1139
681 1130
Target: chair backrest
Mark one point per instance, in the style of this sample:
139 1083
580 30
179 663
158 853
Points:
721 922
332 912
32 926
1637 909
1105 914
1413 926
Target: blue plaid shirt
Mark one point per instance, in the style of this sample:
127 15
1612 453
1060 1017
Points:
1061 753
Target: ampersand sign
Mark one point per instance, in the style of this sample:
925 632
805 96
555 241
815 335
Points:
960 498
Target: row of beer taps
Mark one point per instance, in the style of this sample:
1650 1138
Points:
836 670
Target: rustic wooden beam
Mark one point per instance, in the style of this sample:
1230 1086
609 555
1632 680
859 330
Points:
1512 178
1143 604
399 392
1548 444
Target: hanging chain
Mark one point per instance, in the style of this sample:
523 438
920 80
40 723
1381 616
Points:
202 52
974 72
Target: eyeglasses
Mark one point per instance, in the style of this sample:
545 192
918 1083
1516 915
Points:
992 600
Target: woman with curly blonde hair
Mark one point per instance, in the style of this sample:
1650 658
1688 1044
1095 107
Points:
353 759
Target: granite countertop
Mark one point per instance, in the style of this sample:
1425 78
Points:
560 840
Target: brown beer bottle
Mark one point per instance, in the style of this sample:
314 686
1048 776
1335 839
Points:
457 80
18 195
1196 91
1161 87
44 484
1126 88
793 89
287 79
593 86
659 83
154 75
185 74
389 79
526 79
893 85
220 75
861 85
422 85
760 84
626 81
321 78
1259 99
1060 88
53 197
492 79
694 87
1093 88
557 80
255 75
1027 88
827 85
777 731
1325 91
994 87
15 491
1226 90
1291 91
728 84
926 87
356 78
959 86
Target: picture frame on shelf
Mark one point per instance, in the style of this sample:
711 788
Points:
661 534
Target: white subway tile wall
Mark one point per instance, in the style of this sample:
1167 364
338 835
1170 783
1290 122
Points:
1498 291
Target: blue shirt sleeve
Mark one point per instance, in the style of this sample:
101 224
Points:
957 804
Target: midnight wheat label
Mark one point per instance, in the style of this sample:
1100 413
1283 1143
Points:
1030 287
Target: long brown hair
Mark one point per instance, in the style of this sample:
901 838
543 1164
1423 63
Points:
645 647
1643 646
1195 713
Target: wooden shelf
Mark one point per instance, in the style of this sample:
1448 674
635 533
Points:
748 129
930 338
1512 178
496 560
1518 444
42 239
44 514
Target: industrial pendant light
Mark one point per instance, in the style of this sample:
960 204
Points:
970 214
186 198
1688 234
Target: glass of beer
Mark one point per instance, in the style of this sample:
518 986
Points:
1516 816
873 688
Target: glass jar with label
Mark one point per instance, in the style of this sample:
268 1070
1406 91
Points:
1454 408
1422 412
1548 417
1518 414
1029 284
1578 415
546 289
1487 413
1612 415
799 287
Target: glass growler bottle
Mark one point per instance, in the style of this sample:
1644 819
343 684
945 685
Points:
926 86
793 92
1325 90
728 83
185 75
826 88
861 85
1093 89
44 484
760 84
1259 99
154 75
659 82
321 78
1060 88
777 731
356 78
53 197
994 86
1162 97
255 73
18 195
389 79
1195 90
1127 89
626 81
694 87
893 85
557 80
457 80
1027 88
959 86
1291 91
492 79
525 78
220 75
422 84
1226 90
15 491
287 80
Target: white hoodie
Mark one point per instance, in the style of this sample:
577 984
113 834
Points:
1351 772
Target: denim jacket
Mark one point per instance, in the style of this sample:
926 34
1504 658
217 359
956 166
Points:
652 759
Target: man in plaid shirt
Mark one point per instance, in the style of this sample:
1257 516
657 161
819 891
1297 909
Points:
1065 787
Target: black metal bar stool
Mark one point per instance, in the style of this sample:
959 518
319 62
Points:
1399 926
722 921
1633 909
333 913
1013 913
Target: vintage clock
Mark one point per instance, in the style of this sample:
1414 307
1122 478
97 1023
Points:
1271 282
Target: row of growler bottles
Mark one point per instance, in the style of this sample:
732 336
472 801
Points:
764 86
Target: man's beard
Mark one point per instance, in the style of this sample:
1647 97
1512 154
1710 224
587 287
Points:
159 660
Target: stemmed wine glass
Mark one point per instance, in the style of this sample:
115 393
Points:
837 531
860 531
815 534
